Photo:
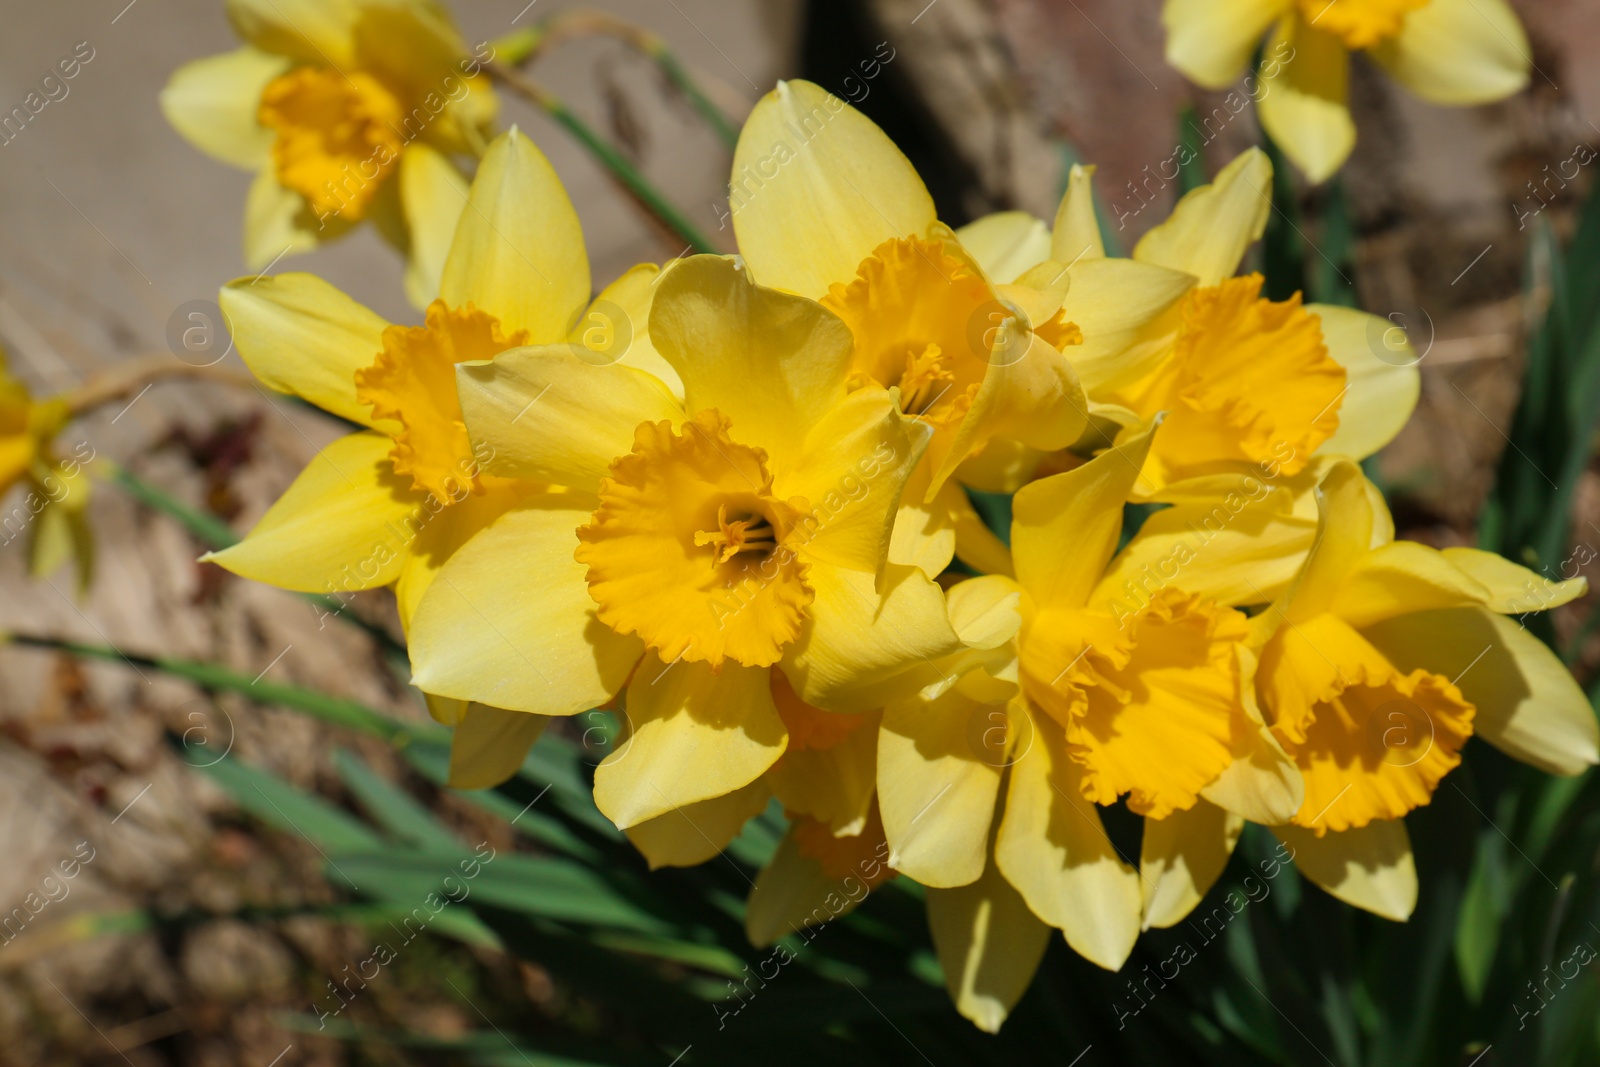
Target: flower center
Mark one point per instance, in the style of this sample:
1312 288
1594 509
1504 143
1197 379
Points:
690 549
1150 703
752 533
413 382
338 137
1370 742
1359 23
919 320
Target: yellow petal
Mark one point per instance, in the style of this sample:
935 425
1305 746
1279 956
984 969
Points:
432 194
976 544
694 833
858 641
1403 577
509 622
816 187
989 945
313 31
774 363
518 251
1344 538
1262 784
1006 243
795 892
1382 379
1211 41
442 531
984 610
1242 545
616 327
937 787
300 335
1513 589
1082 507
1075 238
1121 305
924 533
1371 867
544 413
853 469
833 785
489 745
1053 848
1305 109
1212 226
1459 52
694 734
342 526
1528 704
277 222
213 102
1030 393
1180 859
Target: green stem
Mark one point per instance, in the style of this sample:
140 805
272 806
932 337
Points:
678 75
521 47
609 157
336 711
216 534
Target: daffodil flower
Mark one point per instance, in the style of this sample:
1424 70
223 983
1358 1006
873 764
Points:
826 206
1453 52
690 547
53 512
346 110
389 505
1251 385
1071 706
1378 665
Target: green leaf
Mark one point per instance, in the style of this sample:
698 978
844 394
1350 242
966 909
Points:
391 807
294 811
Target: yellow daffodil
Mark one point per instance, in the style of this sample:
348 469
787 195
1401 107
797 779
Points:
52 512
1072 705
696 553
390 504
1454 52
1379 663
346 110
26 427
826 206
1250 385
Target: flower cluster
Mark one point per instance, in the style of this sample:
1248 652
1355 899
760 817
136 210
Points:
748 530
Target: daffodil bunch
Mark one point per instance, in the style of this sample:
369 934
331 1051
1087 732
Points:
728 515
1454 52
346 110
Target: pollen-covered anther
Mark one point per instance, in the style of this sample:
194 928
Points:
754 533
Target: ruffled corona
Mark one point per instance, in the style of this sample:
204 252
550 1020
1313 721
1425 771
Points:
413 382
1371 741
338 136
1359 23
917 316
688 547
1251 381
1150 703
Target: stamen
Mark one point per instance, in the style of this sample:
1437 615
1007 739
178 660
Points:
925 381
752 534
